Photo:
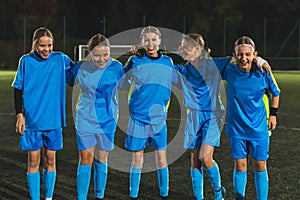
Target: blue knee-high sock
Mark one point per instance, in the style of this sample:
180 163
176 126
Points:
197 182
48 183
213 174
261 184
83 181
100 178
163 181
33 180
135 178
239 182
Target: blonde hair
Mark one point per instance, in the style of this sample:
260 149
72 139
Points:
38 33
147 29
150 29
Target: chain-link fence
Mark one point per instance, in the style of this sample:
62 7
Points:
277 39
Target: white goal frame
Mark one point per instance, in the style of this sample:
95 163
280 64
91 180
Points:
115 50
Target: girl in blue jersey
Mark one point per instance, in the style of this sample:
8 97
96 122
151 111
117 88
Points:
200 78
96 114
200 82
150 75
39 92
250 116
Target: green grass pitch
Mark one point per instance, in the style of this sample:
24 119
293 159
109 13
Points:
283 164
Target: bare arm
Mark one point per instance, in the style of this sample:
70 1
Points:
20 125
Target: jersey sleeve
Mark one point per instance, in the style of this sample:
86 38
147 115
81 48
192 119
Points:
69 65
68 62
272 84
129 64
71 74
122 77
178 69
221 64
19 77
126 82
175 77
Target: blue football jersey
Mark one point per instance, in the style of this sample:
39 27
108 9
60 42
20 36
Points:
97 108
150 87
201 84
43 82
247 109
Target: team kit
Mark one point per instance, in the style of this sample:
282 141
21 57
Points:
147 78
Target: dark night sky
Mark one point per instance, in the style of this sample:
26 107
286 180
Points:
83 18
121 15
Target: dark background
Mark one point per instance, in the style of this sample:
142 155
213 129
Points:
273 24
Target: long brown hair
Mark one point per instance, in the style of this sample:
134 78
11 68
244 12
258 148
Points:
97 40
198 38
194 40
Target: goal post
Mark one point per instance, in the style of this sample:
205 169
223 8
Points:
121 52
116 51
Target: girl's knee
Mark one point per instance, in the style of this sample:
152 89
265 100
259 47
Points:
161 163
240 165
259 166
137 159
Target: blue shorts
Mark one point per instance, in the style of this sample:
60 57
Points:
258 149
201 128
139 134
34 140
86 140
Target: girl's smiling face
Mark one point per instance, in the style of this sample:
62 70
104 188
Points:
151 42
100 55
244 54
44 46
188 51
